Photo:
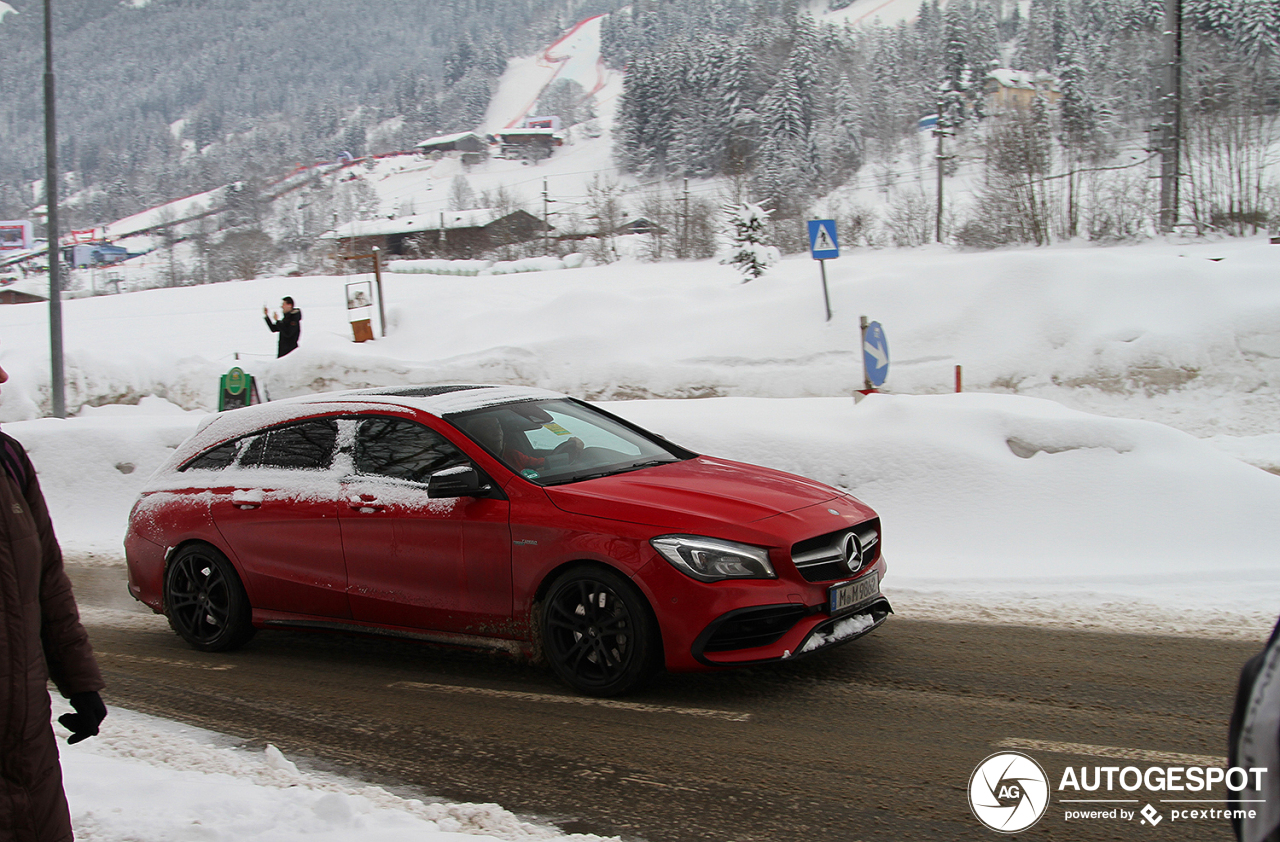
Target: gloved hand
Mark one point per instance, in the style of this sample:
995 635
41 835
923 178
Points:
90 711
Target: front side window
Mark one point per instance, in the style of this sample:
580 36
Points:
403 449
557 441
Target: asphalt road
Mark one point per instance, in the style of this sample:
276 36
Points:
876 740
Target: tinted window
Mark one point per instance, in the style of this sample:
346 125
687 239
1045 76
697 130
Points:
304 446
214 459
396 447
557 440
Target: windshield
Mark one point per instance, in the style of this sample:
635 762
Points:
550 442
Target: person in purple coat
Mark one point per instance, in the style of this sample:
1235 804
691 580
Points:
41 638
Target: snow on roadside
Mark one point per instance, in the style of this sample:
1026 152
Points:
995 508
1013 510
150 780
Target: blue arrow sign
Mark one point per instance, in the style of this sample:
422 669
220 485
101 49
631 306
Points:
822 239
875 354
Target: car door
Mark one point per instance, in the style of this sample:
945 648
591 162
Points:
414 561
278 513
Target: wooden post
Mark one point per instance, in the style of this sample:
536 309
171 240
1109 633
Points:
377 275
958 389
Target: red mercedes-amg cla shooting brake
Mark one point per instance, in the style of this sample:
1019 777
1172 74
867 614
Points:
499 517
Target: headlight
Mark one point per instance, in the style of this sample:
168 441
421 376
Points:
711 559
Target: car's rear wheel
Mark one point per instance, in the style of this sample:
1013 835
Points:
597 632
205 601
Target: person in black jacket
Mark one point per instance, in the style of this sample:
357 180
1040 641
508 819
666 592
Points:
289 326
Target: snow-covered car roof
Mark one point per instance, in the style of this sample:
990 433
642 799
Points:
438 400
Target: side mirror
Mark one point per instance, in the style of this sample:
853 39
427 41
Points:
458 481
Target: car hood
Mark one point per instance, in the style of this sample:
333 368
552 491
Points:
686 495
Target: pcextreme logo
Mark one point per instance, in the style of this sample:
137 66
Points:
1009 792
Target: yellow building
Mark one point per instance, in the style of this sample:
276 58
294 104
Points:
1007 90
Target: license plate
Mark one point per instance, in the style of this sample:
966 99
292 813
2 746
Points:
851 594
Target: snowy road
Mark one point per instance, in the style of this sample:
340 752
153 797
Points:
874 741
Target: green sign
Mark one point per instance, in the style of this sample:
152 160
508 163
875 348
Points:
237 389
236 381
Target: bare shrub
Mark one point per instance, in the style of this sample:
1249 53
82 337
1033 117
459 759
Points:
911 218
1120 209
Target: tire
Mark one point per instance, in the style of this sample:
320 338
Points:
205 601
598 633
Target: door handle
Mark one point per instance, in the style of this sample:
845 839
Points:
247 499
365 504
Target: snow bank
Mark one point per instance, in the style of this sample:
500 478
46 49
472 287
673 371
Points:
1157 331
1020 510
485 267
92 467
994 507
439 267
148 779
1000 486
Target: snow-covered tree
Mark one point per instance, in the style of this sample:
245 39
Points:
957 99
461 196
745 248
647 115
1259 28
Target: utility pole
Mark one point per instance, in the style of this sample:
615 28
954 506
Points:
684 224
337 246
1170 126
940 132
58 386
546 219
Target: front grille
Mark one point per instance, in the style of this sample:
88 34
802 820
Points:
834 556
754 627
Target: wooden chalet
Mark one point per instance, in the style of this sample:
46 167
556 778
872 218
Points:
452 234
465 142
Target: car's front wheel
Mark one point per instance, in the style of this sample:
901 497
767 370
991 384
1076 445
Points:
597 632
205 601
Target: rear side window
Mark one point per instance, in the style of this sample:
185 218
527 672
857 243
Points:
403 449
214 459
304 446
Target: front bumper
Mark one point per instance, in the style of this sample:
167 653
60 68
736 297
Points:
752 621
767 633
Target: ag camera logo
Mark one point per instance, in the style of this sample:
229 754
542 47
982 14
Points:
1009 792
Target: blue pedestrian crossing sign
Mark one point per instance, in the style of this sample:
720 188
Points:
822 239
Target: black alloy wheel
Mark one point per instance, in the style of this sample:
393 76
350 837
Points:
597 632
204 600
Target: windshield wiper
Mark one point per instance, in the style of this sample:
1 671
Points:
612 471
649 464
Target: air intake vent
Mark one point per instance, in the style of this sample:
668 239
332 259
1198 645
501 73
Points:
754 627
